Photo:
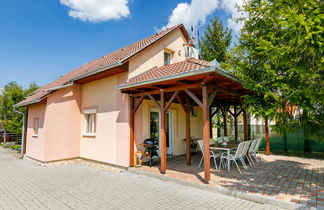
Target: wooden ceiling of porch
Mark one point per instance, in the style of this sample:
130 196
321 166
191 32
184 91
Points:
229 92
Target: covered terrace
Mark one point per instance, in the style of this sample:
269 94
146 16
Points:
186 82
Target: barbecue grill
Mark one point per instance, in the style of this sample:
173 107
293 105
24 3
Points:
151 146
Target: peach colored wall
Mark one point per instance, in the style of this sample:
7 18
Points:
142 123
35 145
63 124
111 143
154 54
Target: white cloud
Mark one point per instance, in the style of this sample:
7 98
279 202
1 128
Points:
193 14
97 10
231 7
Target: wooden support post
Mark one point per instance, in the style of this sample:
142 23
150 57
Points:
132 110
225 122
267 140
188 142
185 109
224 112
211 123
206 133
245 125
163 134
132 134
235 123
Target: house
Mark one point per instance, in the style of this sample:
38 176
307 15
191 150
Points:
104 109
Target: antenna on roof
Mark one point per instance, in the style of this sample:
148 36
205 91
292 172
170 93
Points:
193 38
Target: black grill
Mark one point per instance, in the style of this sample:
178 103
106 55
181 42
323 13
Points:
152 146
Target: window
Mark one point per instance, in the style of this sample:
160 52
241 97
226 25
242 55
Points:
90 122
167 58
36 126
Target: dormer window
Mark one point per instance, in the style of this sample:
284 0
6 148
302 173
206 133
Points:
167 58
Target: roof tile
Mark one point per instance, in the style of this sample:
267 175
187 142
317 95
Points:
121 55
191 64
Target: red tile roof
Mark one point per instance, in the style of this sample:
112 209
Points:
119 56
189 65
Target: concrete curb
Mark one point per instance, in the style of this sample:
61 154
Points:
235 193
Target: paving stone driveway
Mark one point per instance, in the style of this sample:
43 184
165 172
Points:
26 185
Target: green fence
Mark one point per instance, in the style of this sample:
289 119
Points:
295 141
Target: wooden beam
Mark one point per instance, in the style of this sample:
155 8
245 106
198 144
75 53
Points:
213 114
188 141
163 134
194 97
229 110
211 98
231 92
132 131
239 112
138 104
166 90
224 110
235 123
267 139
184 108
171 100
155 102
206 133
245 125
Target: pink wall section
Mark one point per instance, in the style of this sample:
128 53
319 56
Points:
122 134
63 121
35 145
59 126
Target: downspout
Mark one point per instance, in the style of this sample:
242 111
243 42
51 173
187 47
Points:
22 133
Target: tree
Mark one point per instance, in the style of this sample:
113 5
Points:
11 94
215 42
280 58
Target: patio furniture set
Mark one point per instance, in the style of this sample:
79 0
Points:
233 152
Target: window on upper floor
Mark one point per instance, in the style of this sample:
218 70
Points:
167 57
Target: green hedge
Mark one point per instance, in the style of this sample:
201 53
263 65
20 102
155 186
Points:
16 147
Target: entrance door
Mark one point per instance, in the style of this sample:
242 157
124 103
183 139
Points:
155 120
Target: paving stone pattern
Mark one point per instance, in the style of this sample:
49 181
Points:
26 185
291 179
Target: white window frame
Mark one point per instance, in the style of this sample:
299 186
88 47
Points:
36 127
93 123
171 56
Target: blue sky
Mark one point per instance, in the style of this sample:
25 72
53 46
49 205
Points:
39 40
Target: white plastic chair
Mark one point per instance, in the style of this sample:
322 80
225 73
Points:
212 154
220 140
244 153
251 150
256 150
234 157
225 138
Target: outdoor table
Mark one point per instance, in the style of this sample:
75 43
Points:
227 148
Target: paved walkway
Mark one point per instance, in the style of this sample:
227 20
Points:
289 179
26 185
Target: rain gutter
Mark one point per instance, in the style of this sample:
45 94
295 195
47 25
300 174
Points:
209 69
96 71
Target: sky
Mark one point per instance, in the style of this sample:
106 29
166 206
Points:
40 40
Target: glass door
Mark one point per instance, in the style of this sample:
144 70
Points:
155 128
